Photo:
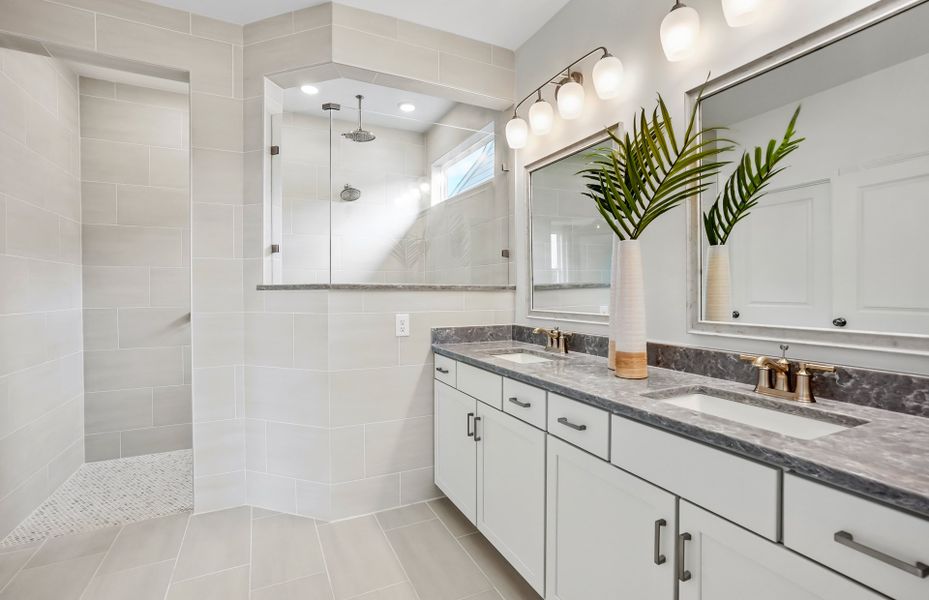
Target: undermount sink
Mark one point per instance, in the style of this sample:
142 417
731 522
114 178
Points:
523 358
793 425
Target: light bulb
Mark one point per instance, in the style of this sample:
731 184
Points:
407 107
741 12
608 77
309 90
517 133
541 117
679 31
570 100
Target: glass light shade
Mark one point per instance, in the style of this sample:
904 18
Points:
517 133
608 77
679 31
740 13
570 100
541 117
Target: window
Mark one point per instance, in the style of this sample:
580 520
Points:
466 167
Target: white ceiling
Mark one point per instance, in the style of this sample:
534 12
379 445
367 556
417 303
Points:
508 23
379 106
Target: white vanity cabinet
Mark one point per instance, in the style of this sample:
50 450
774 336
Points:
718 560
610 534
455 455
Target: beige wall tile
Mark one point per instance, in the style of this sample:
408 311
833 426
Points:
365 496
113 162
476 76
296 301
22 342
214 231
132 368
136 10
272 492
210 119
170 287
298 451
154 327
441 40
98 203
220 447
271 27
214 391
65 332
110 287
347 446
372 395
313 17
111 245
363 341
256 445
104 446
418 485
12 109
155 439
311 342
97 87
119 121
217 177
287 395
303 49
171 405
360 49
367 21
216 492
69 233
153 97
217 340
49 22
313 499
217 285
209 62
117 410
169 168
31 231
270 340
159 207
215 29
46 136
100 329
398 446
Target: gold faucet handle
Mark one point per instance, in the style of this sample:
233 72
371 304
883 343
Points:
749 357
806 367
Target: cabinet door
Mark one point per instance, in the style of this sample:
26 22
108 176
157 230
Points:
455 452
511 491
610 534
721 561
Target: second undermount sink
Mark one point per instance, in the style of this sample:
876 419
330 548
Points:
523 358
785 423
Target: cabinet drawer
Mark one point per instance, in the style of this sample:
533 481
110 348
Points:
483 385
524 402
735 488
880 546
584 426
445 369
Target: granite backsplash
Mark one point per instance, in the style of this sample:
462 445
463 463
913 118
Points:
899 392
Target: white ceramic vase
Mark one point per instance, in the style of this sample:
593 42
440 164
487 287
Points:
629 358
614 306
718 285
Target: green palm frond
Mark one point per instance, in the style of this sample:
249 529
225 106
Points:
651 171
746 186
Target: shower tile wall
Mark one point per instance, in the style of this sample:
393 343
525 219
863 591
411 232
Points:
41 387
135 151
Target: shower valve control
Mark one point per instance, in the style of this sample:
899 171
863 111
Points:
403 325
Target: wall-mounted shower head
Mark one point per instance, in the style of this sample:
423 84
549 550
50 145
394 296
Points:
360 134
349 193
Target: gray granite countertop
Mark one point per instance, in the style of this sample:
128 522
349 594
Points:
884 457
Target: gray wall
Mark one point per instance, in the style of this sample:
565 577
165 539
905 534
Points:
41 392
136 269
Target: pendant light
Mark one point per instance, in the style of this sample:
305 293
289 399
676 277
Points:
517 133
570 96
740 13
541 116
608 76
679 31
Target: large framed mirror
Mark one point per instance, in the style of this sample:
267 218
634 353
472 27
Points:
837 249
570 245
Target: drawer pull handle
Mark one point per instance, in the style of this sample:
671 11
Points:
564 421
659 557
520 404
846 539
682 573
442 370
477 438
470 424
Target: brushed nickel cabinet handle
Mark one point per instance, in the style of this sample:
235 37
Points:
564 421
659 557
442 370
848 540
682 573
516 401
477 438
470 424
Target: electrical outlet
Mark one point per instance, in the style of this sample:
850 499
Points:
403 325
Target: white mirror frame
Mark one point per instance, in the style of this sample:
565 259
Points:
866 340
555 315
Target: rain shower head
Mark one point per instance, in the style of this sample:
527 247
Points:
349 193
361 134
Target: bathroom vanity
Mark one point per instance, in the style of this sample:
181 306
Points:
678 486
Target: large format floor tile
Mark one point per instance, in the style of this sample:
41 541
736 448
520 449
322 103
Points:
358 557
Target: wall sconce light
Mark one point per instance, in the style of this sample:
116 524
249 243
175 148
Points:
569 95
739 13
679 31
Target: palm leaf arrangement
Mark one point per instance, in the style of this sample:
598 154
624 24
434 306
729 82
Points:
651 171
746 186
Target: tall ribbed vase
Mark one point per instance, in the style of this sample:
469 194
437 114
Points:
718 285
614 305
630 358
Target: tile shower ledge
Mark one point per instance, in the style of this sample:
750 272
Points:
885 459
400 287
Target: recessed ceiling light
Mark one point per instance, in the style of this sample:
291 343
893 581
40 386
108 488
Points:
309 90
407 106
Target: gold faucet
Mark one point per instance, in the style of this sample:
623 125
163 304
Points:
557 339
803 388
